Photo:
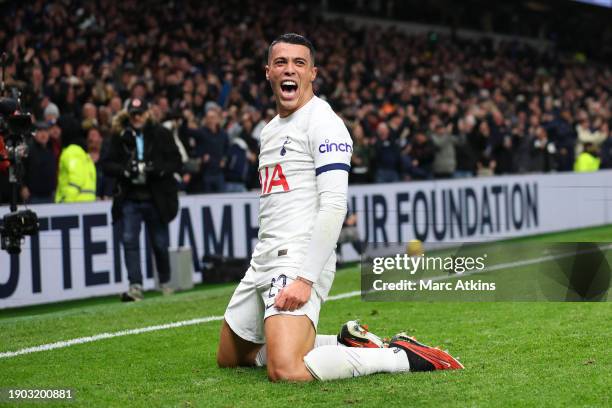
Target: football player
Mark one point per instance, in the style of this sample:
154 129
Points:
272 316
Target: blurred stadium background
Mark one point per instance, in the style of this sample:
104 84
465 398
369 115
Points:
523 85
441 98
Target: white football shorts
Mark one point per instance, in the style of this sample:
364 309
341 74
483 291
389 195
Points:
253 301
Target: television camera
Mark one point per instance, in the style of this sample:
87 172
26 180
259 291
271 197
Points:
15 132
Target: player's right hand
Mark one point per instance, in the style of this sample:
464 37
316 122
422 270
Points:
293 296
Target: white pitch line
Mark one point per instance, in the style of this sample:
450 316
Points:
346 295
102 336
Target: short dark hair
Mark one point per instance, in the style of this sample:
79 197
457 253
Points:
292 38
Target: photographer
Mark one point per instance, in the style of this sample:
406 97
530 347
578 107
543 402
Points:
143 158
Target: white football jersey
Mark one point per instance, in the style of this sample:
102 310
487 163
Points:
294 151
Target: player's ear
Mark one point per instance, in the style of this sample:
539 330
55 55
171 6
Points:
313 74
267 72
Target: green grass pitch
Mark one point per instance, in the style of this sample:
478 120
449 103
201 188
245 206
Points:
516 354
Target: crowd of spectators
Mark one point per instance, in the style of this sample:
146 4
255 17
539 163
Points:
568 24
417 106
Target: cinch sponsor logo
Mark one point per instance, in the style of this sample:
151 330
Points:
335 147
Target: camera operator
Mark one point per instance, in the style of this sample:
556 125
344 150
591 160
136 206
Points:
143 158
40 166
15 133
4 165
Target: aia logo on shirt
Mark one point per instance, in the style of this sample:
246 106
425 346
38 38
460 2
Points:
273 180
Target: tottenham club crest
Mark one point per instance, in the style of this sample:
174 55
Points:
283 149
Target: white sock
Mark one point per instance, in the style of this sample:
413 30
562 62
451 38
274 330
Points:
326 340
333 362
320 340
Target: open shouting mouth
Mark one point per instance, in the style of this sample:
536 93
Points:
288 89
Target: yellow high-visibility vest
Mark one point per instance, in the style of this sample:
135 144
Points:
76 180
586 162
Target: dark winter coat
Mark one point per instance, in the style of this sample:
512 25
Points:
163 160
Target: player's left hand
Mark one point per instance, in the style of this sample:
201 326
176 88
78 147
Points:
293 296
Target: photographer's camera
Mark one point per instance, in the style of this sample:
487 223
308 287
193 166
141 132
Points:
15 226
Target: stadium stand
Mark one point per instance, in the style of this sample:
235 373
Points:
418 105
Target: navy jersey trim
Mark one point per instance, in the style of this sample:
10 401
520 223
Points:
332 166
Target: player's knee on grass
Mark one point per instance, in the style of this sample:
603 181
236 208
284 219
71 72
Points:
289 339
293 370
276 373
224 359
222 362
227 358
283 365
234 351
286 364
